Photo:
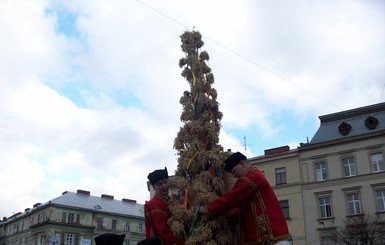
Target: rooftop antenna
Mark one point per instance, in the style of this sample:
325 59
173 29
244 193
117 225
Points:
244 140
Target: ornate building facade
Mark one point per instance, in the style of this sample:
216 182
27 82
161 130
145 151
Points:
336 178
74 219
343 173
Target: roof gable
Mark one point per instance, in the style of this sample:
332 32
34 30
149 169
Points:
359 121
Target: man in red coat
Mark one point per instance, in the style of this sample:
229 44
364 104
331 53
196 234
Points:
156 211
261 220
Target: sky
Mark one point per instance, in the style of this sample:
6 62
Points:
90 89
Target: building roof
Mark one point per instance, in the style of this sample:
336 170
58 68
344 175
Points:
103 204
83 200
359 121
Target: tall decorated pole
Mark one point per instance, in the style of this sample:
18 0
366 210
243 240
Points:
199 175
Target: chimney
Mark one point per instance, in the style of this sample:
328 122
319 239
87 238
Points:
277 150
84 192
107 196
36 205
128 200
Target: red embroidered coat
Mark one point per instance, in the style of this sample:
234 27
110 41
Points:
156 214
261 219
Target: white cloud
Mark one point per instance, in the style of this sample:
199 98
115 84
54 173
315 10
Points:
97 108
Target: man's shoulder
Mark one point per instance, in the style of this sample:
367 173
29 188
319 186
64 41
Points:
155 200
151 201
255 172
150 205
254 175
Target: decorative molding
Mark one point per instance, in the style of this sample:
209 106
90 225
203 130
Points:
344 128
371 122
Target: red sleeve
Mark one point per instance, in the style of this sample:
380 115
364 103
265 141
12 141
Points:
147 222
242 190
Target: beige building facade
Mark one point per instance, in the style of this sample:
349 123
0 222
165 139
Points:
336 177
342 172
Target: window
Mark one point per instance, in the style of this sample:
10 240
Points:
354 205
127 226
41 217
285 208
325 207
381 200
99 224
69 239
140 228
349 166
321 171
73 218
328 240
113 224
377 162
280 176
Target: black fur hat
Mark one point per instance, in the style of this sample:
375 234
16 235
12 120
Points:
233 160
159 174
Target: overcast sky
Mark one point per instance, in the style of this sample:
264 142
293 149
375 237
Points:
89 90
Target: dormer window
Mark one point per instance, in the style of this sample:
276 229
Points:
371 122
344 128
